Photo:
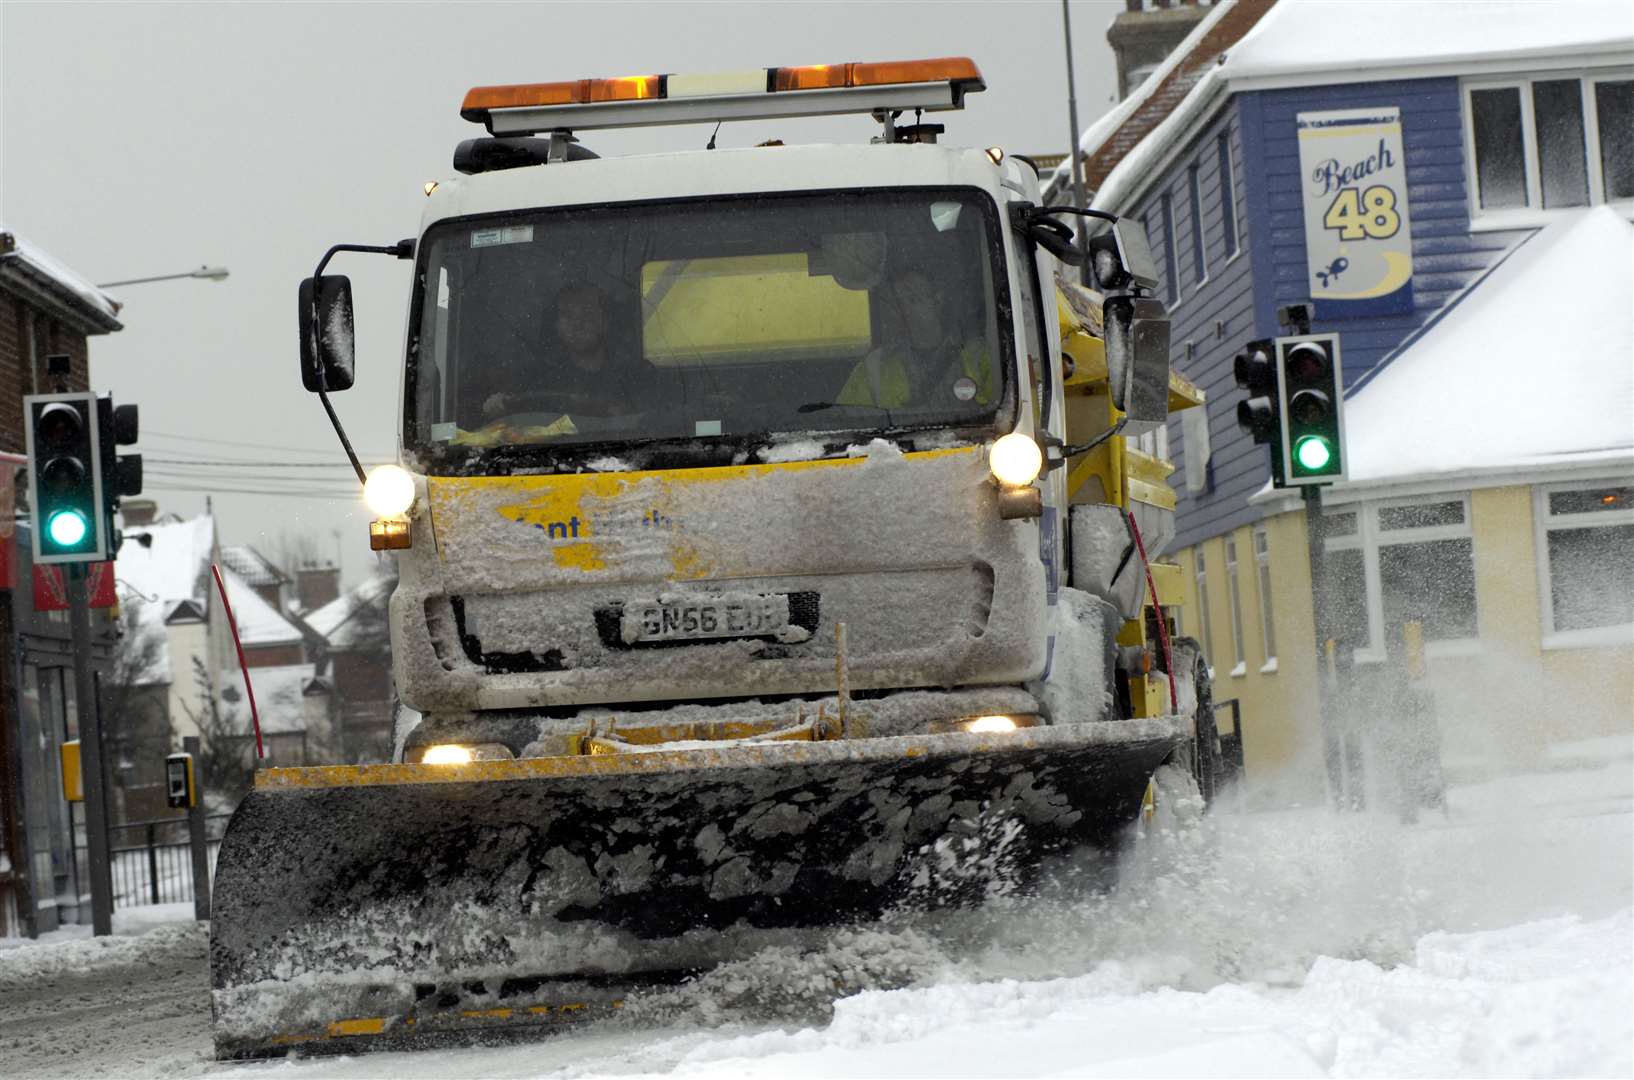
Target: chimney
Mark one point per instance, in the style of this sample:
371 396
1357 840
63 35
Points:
136 512
315 586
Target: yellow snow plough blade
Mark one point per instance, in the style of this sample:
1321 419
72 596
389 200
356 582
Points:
358 907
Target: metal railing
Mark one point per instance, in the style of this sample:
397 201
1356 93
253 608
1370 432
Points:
151 862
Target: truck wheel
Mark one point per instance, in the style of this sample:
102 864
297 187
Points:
1202 755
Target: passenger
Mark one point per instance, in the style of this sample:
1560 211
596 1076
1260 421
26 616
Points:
930 368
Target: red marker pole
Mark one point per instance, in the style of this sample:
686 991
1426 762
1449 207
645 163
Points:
232 624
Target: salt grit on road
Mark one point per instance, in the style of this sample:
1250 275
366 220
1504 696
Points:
1494 940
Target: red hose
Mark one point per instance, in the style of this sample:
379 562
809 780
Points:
232 624
1162 627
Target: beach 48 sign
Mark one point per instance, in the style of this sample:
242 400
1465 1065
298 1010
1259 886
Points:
1358 240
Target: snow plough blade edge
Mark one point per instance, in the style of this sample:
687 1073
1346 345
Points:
357 907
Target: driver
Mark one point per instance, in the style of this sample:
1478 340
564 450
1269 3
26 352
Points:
931 366
578 377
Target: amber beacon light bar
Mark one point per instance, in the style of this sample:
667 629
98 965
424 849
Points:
756 94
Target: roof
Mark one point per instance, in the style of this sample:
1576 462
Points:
249 564
51 286
168 562
258 622
280 695
1473 396
1322 42
1106 141
338 620
1306 41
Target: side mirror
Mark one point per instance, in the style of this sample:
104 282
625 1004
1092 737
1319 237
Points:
1137 360
327 358
1122 258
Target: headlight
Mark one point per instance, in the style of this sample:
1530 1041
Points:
1015 459
991 723
389 491
457 753
985 725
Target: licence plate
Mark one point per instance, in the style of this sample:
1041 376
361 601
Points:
694 617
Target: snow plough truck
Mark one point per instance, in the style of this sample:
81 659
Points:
774 543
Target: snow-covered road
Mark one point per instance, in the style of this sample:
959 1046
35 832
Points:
1494 940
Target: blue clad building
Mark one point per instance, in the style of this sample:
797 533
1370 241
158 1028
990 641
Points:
1392 166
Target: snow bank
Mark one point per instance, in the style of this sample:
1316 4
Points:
24 963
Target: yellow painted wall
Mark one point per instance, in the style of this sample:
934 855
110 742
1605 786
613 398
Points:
1281 737
1501 706
1497 708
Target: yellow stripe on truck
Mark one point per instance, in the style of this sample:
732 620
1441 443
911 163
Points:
961 744
564 506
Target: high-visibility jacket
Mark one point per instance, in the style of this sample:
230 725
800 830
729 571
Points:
882 378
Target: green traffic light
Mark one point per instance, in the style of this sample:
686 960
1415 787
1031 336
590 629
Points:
1313 453
67 528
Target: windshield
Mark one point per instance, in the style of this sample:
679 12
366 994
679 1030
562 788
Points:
707 323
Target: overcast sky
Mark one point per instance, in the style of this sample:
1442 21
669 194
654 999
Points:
144 139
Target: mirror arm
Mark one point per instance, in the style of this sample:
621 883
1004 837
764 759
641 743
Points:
403 249
351 454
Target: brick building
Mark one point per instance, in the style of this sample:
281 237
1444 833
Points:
45 310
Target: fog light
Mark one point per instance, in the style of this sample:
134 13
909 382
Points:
447 754
457 753
389 491
991 723
1015 459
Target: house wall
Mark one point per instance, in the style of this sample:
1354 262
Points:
273 655
187 698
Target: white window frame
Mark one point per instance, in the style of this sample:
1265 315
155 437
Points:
1261 540
1533 213
1234 596
1228 190
1369 538
1199 242
1542 523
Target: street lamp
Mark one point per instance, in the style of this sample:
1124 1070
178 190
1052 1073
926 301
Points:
209 273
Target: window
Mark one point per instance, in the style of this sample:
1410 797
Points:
1586 562
1262 563
1549 143
1202 608
1228 195
1234 591
1388 564
1171 263
1199 263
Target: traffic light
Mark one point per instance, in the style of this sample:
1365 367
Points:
1256 371
117 426
65 478
1311 403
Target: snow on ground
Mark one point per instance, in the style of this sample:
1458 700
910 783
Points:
1493 939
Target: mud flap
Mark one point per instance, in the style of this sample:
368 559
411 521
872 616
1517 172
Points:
401 904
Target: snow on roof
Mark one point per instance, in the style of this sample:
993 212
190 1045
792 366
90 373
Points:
168 562
280 695
1096 135
337 621
1505 382
258 622
1325 41
98 308
1349 42
249 564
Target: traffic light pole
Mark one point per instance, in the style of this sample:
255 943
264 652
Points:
1316 553
94 773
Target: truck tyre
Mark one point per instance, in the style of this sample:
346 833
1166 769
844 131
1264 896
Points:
1202 755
